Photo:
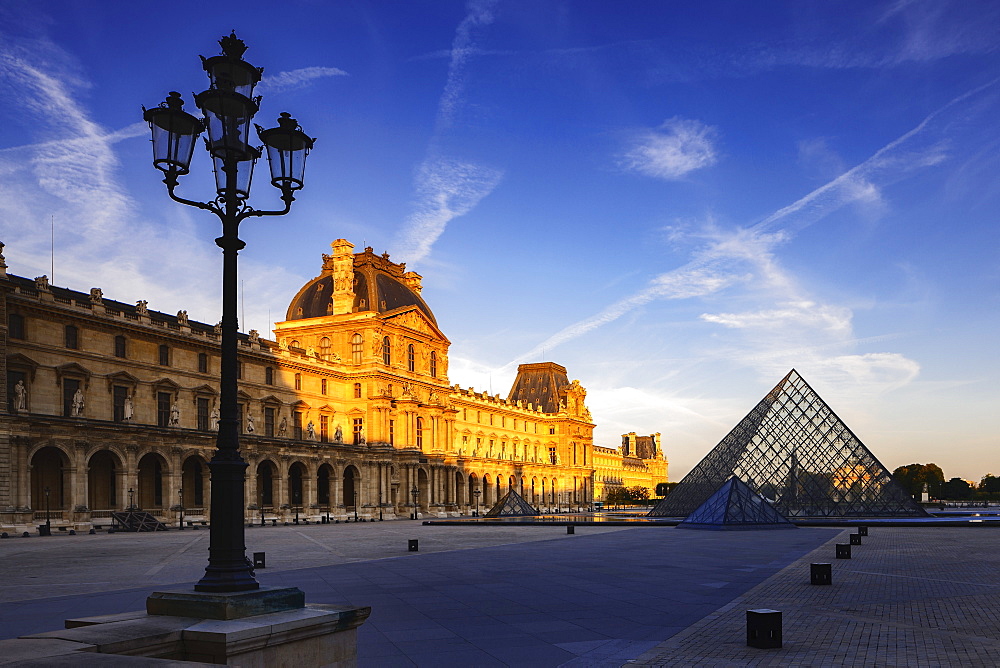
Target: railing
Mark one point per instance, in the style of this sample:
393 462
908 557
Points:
52 515
131 316
100 514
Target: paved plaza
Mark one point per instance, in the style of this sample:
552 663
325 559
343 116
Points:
535 596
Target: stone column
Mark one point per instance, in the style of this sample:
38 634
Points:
337 493
131 480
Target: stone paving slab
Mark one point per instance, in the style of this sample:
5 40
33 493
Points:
907 597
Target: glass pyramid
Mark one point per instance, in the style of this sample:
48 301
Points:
736 506
511 505
796 453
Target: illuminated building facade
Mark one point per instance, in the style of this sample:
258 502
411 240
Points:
348 409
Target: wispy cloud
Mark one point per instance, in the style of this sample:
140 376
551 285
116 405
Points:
679 146
447 188
297 78
729 258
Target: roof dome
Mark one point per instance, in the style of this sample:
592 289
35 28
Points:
378 285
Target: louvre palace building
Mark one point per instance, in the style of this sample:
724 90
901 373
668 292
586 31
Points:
110 406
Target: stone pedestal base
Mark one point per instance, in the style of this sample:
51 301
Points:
315 635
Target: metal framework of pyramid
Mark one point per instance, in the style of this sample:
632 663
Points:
793 450
511 505
736 506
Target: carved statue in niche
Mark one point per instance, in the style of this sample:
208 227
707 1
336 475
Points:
361 438
78 403
310 431
182 318
96 296
20 396
175 414
215 419
338 435
128 410
140 307
283 426
254 336
250 427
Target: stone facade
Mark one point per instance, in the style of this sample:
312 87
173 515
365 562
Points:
638 462
348 409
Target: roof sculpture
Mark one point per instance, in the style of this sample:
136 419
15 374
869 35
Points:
511 505
736 506
793 450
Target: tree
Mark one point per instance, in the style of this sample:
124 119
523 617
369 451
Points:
638 494
615 495
664 488
956 489
913 477
989 487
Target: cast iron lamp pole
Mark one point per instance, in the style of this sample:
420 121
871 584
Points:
414 492
476 492
228 107
48 521
180 505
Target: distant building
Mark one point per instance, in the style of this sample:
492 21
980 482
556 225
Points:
347 408
638 462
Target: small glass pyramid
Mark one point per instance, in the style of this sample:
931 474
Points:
511 505
794 451
736 506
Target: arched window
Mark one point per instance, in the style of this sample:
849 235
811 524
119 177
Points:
420 433
357 390
298 381
411 358
386 351
324 348
294 344
356 348
434 364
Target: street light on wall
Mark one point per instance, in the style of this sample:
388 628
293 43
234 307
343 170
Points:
228 108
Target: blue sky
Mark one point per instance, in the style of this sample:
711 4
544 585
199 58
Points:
677 201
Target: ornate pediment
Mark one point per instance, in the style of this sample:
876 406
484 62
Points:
417 321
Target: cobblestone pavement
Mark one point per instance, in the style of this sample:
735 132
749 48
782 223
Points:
907 597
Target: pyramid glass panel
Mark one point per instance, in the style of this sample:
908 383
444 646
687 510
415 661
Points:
735 506
794 451
511 505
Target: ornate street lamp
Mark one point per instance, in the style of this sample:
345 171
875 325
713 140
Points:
355 505
180 506
48 521
414 492
476 492
228 108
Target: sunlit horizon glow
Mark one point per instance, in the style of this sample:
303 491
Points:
677 203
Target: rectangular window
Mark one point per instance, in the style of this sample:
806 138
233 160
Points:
239 417
297 424
322 386
269 421
552 430
269 375
357 390
239 371
552 455
119 346
164 355
392 429
72 337
15 326
203 413
202 363
119 395
70 386
162 409
298 381
324 428
359 428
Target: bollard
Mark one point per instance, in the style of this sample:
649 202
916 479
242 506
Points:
862 531
92 532
258 560
855 539
764 628
820 574
843 550
4 535
571 529
274 523
412 545
44 530
72 532
25 535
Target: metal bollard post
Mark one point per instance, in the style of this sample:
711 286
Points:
855 539
571 529
820 574
764 628
258 560
843 550
412 545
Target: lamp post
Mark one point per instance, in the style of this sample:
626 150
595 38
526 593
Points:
180 505
414 492
355 505
48 521
131 496
476 492
228 107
